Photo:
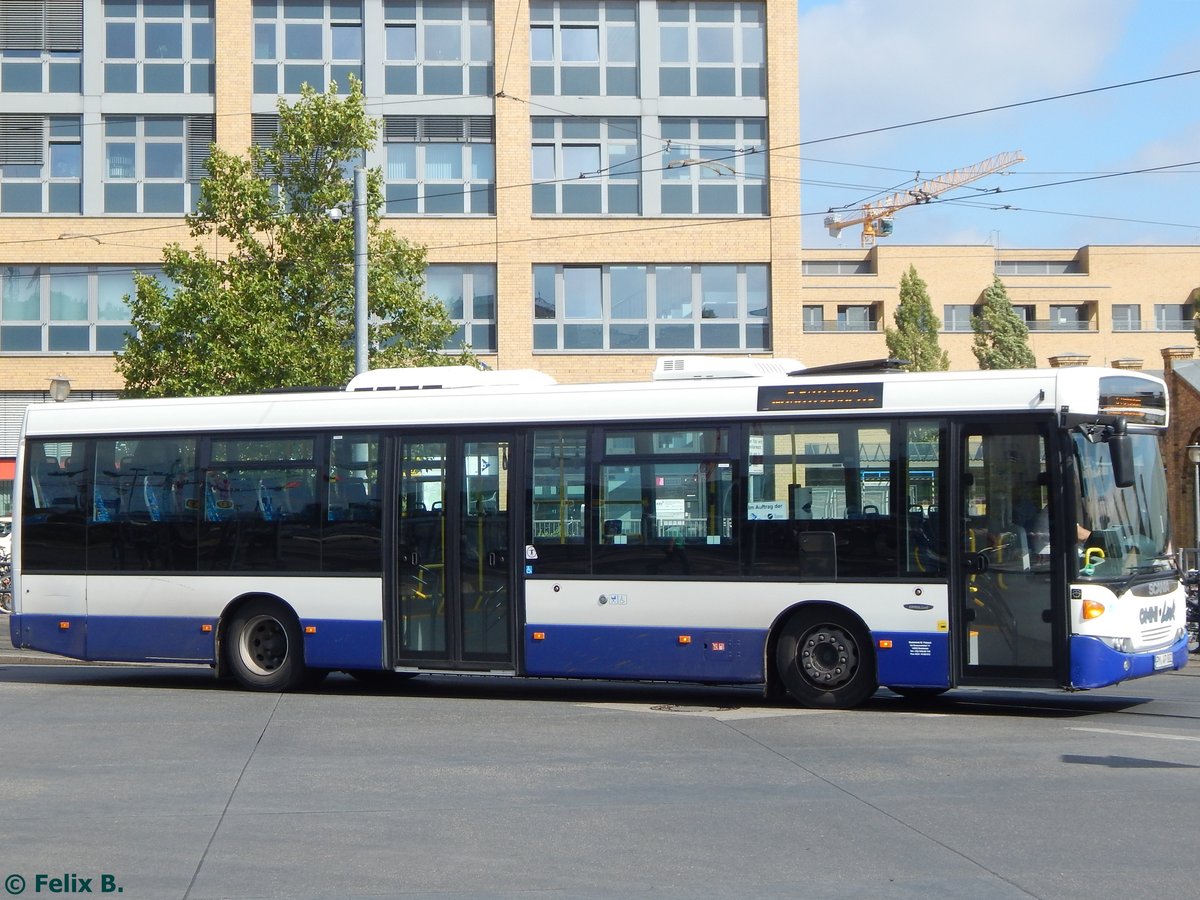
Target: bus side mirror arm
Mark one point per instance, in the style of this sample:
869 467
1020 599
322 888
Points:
1109 430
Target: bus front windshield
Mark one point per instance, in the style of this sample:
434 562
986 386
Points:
1129 526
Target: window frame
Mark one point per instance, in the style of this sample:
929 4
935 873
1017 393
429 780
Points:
554 75
194 141
408 77
555 137
748 28
101 325
54 190
197 54
469 322
50 41
572 322
698 159
275 71
474 136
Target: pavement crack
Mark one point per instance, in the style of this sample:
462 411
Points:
229 800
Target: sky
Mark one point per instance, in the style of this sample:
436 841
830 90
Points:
871 64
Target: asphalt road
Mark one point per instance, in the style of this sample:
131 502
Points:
159 782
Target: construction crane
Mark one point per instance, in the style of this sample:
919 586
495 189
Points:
876 218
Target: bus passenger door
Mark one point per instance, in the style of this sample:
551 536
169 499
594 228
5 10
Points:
1010 618
421 548
454 556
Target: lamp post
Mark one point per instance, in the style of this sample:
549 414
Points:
358 208
60 388
1193 455
360 270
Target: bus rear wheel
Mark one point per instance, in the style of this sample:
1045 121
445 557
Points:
266 649
825 660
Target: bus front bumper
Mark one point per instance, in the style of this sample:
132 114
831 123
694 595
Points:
1094 663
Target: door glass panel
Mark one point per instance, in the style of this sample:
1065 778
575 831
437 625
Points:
421 545
483 572
1008 600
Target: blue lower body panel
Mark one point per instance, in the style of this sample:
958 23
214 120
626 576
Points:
343 644
1095 664
151 639
64 635
334 644
730 656
913 660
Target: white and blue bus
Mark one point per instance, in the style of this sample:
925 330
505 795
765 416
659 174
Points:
820 532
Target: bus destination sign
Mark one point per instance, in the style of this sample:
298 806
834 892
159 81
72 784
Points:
868 395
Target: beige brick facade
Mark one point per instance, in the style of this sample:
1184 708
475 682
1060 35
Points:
514 239
1160 281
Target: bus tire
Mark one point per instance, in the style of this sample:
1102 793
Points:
266 648
825 659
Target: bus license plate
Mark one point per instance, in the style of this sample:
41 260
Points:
1164 660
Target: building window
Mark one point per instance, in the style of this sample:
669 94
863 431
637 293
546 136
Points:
1174 317
627 308
66 309
313 42
861 317
957 317
814 318
155 47
586 167
469 294
41 164
154 164
439 165
822 267
441 48
1072 317
1037 267
583 49
41 45
1126 317
711 49
714 167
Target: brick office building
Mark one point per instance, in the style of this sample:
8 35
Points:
598 182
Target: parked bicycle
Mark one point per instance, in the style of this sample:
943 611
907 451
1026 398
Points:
5 581
1189 568
1192 583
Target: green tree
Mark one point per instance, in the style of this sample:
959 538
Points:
276 309
1196 311
915 337
1001 337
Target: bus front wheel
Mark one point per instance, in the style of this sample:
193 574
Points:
266 649
825 660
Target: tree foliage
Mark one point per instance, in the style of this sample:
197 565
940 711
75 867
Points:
915 337
1196 311
276 309
1001 337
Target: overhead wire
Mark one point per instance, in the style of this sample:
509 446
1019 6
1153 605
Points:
847 135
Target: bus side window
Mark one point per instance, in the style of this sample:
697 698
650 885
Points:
56 504
558 502
352 530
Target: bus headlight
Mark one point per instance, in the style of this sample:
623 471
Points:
1121 644
1092 609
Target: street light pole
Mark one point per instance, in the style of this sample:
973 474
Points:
360 270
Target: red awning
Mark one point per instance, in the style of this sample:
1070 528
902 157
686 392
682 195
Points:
8 469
